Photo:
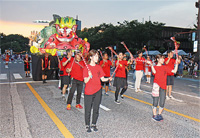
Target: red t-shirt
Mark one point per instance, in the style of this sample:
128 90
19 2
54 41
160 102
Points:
139 64
161 75
94 84
77 70
106 67
120 72
63 68
170 65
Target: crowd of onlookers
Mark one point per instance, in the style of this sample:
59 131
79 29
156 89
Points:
187 66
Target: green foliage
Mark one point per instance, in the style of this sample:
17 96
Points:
135 34
15 42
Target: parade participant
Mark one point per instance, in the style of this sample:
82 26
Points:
92 75
65 78
139 69
45 66
106 64
159 86
76 73
27 65
127 70
169 61
120 80
7 60
148 70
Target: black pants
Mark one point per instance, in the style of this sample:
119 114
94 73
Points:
76 84
92 101
121 93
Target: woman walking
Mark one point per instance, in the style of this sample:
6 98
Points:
92 75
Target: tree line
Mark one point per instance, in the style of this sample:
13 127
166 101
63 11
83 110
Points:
135 34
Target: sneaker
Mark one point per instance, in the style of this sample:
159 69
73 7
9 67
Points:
136 90
167 98
106 94
63 97
68 106
155 118
140 90
171 97
117 102
160 117
79 106
88 129
26 75
94 128
122 96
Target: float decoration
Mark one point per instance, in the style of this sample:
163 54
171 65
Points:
57 38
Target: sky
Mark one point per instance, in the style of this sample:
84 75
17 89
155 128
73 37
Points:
16 17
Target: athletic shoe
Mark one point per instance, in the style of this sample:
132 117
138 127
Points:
136 90
79 106
155 118
106 94
68 106
94 128
167 98
63 97
26 75
122 96
171 97
88 129
117 102
160 117
140 90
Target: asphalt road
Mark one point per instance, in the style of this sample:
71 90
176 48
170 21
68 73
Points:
32 109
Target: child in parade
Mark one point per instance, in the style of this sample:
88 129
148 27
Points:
27 65
160 85
92 75
65 77
120 80
169 61
106 64
148 70
139 69
45 66
76 73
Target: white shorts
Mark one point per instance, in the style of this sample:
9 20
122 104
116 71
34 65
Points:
147 72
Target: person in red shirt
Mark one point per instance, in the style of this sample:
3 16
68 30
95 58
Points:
106 65
7 60
45 66
76 72
27 65
169 61
65 76
139 69
93 75
148 70
120 80
160 85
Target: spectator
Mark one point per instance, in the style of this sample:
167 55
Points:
180 68
191 66
195 69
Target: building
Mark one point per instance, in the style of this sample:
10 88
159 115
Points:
167 32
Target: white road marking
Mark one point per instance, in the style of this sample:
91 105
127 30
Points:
192 86
21 82
17 76
101 106
3 76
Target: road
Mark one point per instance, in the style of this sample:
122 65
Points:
36 110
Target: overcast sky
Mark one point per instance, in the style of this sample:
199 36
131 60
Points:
179 13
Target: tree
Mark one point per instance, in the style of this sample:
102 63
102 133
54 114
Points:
15 42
